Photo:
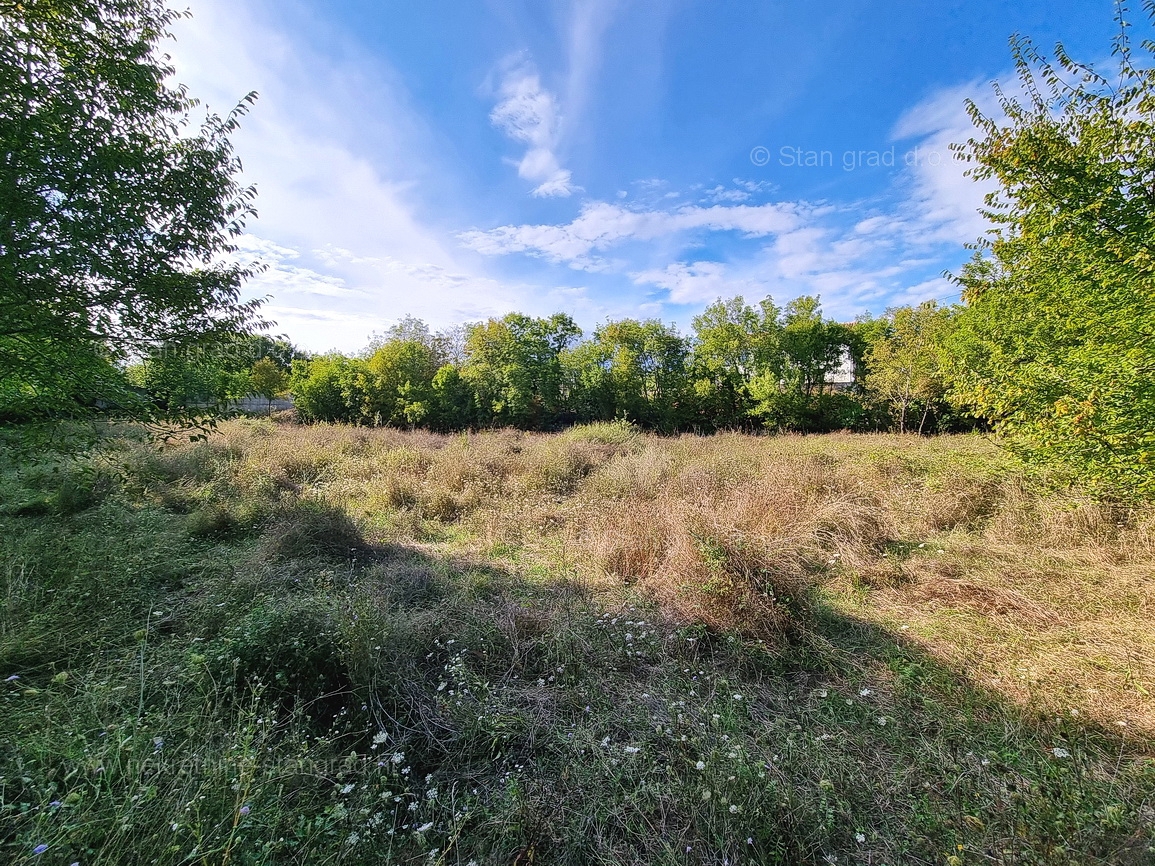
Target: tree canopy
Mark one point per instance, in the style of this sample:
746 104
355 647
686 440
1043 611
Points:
1056 343
739 370
117 217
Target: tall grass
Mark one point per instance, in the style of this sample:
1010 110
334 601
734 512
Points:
326 644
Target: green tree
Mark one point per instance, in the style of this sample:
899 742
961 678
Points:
647 369
268 380
1056 345
329 388
789 391
114 218
398 383
905 362
454 405
587 383
734 344
813 346
179 378
514 365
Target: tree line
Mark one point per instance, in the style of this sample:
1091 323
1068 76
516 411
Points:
743 366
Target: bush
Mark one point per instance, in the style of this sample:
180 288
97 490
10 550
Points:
620 432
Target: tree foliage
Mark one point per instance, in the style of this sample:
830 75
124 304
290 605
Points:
116 217
267 379
744 367
905 362
1057 340
514 365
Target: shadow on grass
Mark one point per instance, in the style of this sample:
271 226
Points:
306 695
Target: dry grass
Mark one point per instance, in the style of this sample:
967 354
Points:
1045 597
343 645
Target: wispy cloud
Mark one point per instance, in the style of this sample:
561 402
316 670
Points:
602 225
942 197
697 282
528 113
354 183
588 24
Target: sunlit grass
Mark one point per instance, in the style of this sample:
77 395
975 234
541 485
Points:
326 644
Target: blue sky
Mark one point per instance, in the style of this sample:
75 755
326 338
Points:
606 158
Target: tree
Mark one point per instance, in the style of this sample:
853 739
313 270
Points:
398 382
647 371
1056 345
813 347
905 361
329 388
727 338
802 350
115 221
268 380
454 402
186 379
513 363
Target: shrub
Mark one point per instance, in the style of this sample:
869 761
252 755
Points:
289 646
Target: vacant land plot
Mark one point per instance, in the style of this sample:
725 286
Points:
344 645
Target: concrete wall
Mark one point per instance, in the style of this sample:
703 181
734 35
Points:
260 406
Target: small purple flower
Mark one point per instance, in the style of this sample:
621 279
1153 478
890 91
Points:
55 804
245 809
12 678
40 849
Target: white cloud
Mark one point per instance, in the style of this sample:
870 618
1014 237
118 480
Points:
601 225
589 21
943 199
343 164
721 193
856 255
696 282
528 113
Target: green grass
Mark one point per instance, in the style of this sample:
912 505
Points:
327 645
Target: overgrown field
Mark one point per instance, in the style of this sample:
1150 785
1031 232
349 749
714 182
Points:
324 645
